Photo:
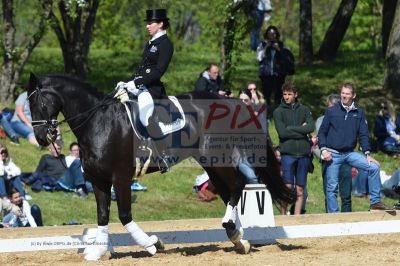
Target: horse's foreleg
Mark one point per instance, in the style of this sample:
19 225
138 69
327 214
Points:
102 193
123 193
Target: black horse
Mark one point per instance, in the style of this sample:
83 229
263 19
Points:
107 141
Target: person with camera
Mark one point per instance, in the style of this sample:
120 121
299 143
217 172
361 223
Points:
274 65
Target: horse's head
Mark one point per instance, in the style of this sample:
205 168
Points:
44 105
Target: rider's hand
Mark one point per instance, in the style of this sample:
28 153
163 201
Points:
120 85
122 95
131 87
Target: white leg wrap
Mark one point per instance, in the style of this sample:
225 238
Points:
230 214
146 107
99 247
141 238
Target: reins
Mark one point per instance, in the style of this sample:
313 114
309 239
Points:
52 124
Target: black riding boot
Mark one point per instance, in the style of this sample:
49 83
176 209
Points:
161 144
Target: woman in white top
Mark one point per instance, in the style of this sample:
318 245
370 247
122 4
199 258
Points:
26 216
10 174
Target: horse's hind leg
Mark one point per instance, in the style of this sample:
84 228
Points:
122 186
102 192
229 184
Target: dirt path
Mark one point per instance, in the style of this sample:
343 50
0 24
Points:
362 250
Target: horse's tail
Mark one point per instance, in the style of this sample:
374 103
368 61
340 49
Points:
271 177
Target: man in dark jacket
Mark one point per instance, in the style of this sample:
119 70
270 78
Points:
210 81
342 126
293 122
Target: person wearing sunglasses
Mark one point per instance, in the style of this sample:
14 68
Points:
10 175
387 129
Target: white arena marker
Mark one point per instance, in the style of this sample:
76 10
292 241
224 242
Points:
269 234
255 207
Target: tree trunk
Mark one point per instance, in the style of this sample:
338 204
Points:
75 34
13 64
392 67
9 42
305 41
228 39
388 10
337 30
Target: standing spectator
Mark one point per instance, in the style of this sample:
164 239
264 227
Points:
210 81
293 122
244 165
342 126
387 129
26 216
261 11
271 55
345 172
21 121
10 175
256 97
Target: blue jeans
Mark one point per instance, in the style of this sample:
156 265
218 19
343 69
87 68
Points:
345 185
393 181
22 129
248 172
258 18
16 222
7 127
73 177
360 183
358 161
14 182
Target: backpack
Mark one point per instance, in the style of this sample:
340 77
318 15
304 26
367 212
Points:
289 61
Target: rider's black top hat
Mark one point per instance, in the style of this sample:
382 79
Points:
156 15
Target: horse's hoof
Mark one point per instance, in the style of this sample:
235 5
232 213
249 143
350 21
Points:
157 242
95 253
159 245
243 247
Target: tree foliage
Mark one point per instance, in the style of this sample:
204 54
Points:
17 52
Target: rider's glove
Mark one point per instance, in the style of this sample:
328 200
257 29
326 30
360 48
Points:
122 95
131 87
120 85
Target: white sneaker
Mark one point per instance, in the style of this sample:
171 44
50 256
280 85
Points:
28 197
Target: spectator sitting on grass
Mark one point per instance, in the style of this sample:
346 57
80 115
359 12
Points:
52 173
5 118
75 169
5 208
21 121
10 175
26 216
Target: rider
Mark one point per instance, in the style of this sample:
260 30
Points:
146 84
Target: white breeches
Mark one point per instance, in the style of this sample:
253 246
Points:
146 107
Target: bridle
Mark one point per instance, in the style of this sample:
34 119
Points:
52 124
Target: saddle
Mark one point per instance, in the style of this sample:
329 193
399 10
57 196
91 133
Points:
169 117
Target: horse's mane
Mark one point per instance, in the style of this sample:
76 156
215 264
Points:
76 82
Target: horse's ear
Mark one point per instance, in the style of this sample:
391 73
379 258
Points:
32 81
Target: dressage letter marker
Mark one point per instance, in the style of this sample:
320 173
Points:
255 207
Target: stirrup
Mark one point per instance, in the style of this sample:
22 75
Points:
163 163
143 156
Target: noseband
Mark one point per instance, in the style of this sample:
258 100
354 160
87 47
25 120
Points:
50 124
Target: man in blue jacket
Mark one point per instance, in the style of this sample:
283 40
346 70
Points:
344 124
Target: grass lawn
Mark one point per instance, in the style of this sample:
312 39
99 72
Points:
169 195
